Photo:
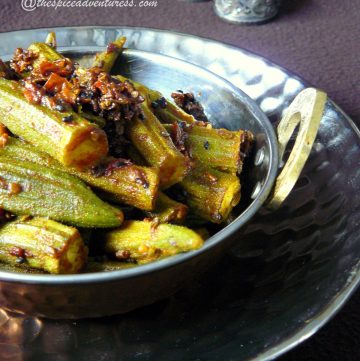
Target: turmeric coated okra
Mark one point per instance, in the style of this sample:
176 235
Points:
220 149
211 194
143 242
106 59
43 244
168 210
69 138
151 139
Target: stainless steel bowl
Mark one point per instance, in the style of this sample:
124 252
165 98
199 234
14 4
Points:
71 296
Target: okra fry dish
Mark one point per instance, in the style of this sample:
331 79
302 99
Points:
98 172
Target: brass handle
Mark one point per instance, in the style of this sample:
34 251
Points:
307 109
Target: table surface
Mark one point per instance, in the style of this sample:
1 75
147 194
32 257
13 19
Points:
318 40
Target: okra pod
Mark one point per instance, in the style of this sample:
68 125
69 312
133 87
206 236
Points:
211 194
221 149
106 59
171 113
47 53
163 108
69 138
42 244
168 210
44 52
51 40
153 142
28 188
144 242
129 184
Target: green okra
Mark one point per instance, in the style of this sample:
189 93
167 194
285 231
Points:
170 113
168 210
150 138
106 60
42 244
76 142
144 242
131 184
44 52
153 142
211 194
221 149
28 188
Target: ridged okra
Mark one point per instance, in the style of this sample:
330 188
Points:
28 188
171 113
43 244
106 60
168 210
143 242
77 143
221 149
131 184
149 137
211 194
152 140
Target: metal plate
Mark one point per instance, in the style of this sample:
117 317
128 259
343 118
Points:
292 271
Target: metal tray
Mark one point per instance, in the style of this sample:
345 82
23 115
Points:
293 269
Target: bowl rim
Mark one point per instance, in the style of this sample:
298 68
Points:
224 233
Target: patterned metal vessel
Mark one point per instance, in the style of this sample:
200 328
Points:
246 11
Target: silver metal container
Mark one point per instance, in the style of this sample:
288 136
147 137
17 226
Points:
71 296
246 11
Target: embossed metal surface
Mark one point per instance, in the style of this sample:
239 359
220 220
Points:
290 271
246 11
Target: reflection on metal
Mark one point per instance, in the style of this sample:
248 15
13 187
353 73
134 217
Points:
259 157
